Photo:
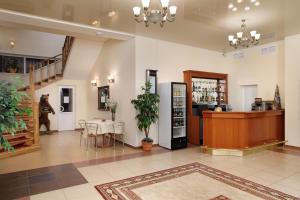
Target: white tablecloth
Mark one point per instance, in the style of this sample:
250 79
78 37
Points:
106 126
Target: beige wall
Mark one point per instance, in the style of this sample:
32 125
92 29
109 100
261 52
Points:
80 99
171 59
117 59
128 61
265 70
31 42
292 90
82 58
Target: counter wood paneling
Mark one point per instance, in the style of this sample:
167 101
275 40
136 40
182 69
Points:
238 130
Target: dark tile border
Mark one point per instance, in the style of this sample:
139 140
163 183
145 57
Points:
86 163
20 185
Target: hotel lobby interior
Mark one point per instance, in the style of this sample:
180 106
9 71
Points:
149 100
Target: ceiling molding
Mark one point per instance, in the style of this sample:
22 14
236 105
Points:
60 26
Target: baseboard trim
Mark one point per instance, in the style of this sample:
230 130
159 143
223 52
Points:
138 147
292 147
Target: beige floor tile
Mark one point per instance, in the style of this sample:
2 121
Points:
286 189
56 194
82 192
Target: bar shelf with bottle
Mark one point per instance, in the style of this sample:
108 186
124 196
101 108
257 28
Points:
205 90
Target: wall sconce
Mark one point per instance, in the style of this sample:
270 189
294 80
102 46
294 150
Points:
111 79
12 44
94 82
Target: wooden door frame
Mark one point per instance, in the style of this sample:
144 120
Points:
193 121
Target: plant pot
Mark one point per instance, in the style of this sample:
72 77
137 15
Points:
12 70
147 146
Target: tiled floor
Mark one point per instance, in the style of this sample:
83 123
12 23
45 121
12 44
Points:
276 170
60 148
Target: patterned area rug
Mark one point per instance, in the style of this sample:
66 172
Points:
192 181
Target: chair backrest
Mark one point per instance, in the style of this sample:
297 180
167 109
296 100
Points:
83 130
119 127
92 128
82 125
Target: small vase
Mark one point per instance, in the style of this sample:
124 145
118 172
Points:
113 116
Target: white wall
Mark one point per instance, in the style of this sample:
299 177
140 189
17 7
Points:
252 67
31 42
117 59
128 62
171 59
292 90
82 58
80 99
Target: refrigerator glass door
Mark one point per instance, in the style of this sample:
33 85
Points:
179 110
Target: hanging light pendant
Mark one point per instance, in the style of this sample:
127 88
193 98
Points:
155 16
244 38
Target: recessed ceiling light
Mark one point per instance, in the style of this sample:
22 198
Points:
252 1
230 6
234 9
99 33
239 1
257 3
247 8
111 13
95 22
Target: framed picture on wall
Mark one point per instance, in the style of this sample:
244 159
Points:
103 96
151 75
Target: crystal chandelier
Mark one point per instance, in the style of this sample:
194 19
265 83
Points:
244 38
166 13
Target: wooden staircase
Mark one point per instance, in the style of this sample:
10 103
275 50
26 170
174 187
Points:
47 72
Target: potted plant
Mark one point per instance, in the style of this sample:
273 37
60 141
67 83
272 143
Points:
10 99
112 105
11 65
146 105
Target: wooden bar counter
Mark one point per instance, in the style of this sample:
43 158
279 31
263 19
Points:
240 130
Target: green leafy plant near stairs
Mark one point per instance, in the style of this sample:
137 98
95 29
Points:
10 99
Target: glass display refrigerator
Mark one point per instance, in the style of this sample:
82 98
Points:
173 115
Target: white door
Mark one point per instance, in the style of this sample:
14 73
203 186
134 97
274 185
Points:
249 95
66 114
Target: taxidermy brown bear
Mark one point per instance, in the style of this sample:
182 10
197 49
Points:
45 109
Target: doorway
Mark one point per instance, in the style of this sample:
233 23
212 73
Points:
66 114
249 95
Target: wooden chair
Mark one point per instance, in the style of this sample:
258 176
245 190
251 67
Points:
118 132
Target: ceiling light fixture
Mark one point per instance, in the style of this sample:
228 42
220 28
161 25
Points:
230 6
239 1
247 8
252 1
234 9
112 13
12 44
244 38
257 3
96 23
166 13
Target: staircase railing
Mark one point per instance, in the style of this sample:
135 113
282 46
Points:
66 51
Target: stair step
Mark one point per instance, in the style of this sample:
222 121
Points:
16 136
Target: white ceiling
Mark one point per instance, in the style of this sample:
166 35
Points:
202 23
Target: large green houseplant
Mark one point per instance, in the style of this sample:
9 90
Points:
10 99
146 105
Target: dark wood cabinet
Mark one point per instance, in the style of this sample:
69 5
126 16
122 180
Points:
194 119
